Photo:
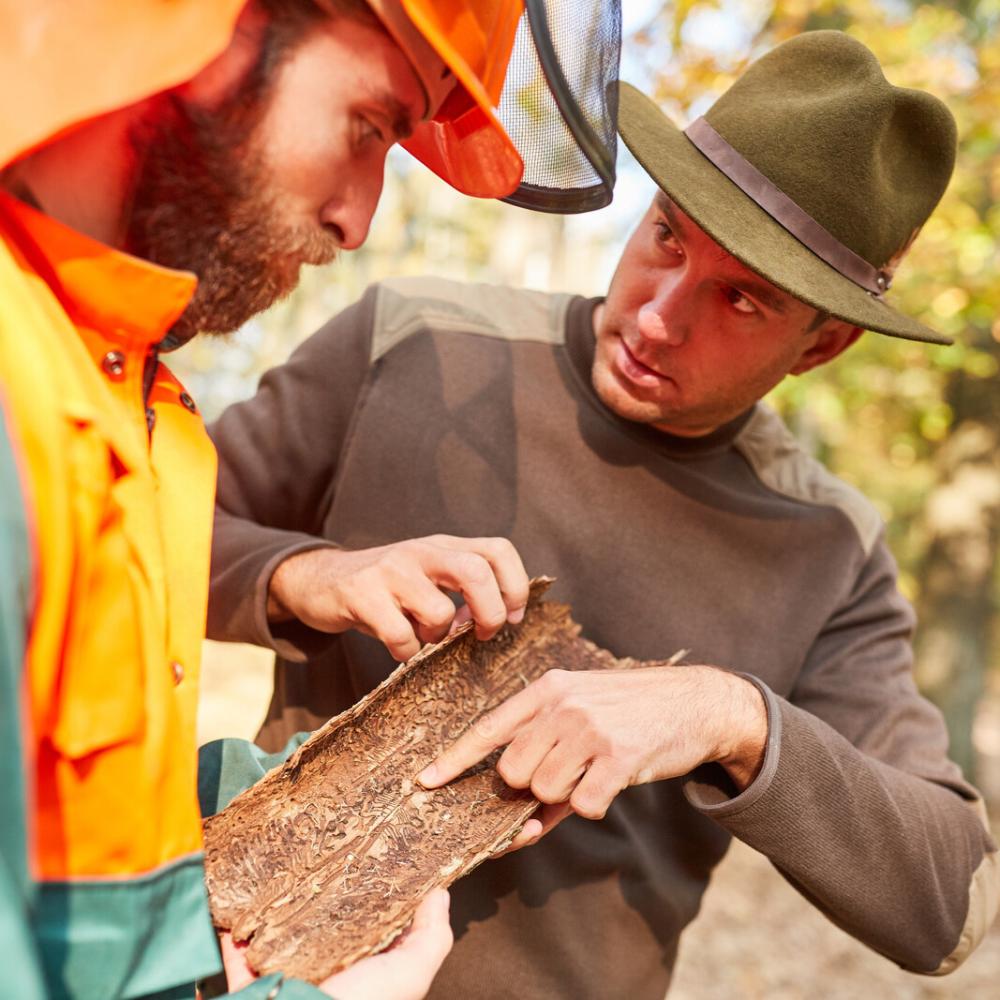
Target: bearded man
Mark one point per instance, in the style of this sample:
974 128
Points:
168 168
621 444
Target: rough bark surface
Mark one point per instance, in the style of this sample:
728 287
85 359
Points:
325 859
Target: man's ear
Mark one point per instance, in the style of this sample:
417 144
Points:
832 338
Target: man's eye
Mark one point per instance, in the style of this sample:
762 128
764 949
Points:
665 235
740 302
366 130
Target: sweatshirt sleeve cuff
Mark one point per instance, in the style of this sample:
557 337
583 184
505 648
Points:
710 789
291 640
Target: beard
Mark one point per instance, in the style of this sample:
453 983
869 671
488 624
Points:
201 203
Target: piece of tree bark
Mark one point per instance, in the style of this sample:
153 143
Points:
324 860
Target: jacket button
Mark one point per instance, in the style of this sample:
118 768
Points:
113 364
188 402
178 671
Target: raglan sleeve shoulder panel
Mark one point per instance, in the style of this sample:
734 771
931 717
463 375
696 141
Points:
409 305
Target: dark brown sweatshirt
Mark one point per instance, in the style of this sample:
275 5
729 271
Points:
432 406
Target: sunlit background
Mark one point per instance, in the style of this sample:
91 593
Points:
914 427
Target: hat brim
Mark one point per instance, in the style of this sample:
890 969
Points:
744 229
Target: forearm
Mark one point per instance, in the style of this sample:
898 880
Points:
902 863
229 766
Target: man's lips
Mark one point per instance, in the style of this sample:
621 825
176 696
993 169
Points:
634 370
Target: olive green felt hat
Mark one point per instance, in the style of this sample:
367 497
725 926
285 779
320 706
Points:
812 169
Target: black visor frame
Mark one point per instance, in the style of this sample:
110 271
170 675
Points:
598 153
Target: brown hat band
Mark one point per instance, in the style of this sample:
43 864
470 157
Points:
784 211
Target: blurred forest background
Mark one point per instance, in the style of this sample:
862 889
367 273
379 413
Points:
914 427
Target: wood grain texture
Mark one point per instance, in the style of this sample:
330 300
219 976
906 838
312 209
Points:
324 860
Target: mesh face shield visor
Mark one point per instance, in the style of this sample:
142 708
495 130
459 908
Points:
559 103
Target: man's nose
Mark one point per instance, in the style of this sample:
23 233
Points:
663 319
349 212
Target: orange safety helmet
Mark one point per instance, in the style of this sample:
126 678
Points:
99 55
463 142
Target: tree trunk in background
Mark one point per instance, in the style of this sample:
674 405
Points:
962 520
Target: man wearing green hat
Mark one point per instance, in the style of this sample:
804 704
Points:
620 443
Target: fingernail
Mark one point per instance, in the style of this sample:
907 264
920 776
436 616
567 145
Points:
516 617
428 776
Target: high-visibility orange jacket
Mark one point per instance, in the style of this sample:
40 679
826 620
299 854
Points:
106 491
120 512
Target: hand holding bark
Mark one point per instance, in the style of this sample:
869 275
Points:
396 593
404 972
583 737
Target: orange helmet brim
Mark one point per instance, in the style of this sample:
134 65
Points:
464 143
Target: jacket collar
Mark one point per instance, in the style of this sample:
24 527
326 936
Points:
130 301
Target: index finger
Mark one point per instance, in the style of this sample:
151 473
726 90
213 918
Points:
489 732
506 564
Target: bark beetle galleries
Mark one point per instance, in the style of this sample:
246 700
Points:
325 859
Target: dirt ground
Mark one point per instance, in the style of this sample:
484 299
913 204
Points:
755 939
